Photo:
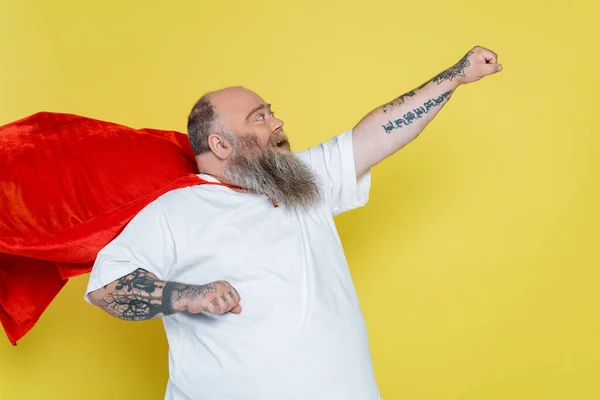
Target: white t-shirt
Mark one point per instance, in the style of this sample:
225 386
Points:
301 334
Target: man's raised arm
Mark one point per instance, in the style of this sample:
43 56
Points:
392 126
140 296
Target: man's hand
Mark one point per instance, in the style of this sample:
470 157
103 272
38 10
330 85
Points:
215 298
476 64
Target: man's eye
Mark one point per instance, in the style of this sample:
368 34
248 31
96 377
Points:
260 117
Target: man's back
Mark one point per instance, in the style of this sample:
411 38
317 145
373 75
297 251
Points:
301 334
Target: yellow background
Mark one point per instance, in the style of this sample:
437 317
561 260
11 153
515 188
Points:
475 260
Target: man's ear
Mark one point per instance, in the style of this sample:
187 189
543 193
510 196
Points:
221 147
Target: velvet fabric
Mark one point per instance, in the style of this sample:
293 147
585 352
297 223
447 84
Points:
68 185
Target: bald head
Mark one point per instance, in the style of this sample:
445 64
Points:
233 100
231 110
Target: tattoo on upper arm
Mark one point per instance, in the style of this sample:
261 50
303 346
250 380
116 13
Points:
416 113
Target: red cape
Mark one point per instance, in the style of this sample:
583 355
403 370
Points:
69 185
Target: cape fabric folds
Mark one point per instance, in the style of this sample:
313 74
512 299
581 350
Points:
68 185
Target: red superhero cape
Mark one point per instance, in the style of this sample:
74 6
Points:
68 185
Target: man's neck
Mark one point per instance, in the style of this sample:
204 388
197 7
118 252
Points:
222 179
217 177
209 167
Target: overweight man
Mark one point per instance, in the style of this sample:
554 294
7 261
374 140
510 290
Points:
247 270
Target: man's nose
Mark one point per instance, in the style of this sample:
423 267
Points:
276 124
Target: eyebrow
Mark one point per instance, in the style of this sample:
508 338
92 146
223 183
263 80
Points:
255 109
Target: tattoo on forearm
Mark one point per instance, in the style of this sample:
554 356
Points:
136 296
398 101
140 296
453 72
447 75
416 113
175 293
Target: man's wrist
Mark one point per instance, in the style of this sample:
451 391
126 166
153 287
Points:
451 78
452 84
173 297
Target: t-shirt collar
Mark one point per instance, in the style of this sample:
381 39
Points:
209 178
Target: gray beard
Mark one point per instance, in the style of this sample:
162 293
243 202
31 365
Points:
278 174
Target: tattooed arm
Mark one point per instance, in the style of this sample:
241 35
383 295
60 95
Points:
392 126
140 296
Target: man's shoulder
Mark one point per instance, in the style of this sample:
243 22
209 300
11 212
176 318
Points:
166 203
173 197
200 201
177 198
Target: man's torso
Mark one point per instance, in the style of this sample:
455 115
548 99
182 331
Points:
301 333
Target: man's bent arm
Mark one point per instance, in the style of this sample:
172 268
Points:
141 296
392 126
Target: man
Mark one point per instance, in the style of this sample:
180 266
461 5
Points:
247 271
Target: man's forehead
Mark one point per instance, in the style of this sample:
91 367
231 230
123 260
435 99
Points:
235 100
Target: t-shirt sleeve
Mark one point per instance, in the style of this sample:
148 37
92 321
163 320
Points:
333 162
146 243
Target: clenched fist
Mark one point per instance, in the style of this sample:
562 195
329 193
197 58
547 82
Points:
476 64
215 298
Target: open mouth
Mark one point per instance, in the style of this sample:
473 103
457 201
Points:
282 144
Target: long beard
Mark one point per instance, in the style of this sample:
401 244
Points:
279 174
